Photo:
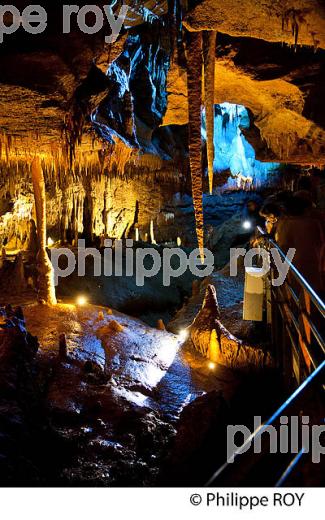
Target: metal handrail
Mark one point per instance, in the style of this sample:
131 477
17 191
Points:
290 468
313 295
258 432
317 369
305 286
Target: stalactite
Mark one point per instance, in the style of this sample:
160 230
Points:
209 46
172 24
194 84
294 18
72 130
120 156
46 274
117 159
64 218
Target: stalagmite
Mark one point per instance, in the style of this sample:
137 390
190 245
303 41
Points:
30 283
111 327
214 341
3 258
19 272
46 290
195 287
152 233
63 349
161 325
209 46
214 347
194 84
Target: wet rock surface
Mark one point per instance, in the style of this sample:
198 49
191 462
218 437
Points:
117 400
24 429
108 410
201 424
122 404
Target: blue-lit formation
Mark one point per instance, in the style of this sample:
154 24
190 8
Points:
232 150
136 104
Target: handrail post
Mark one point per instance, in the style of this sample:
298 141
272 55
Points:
275 327
304 325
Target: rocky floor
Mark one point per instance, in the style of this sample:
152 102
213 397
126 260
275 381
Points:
118 408
114 403
145 366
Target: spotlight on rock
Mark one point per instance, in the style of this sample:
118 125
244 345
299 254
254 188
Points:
81 300
212 365
50 242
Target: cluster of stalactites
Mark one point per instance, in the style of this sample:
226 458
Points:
112 160
17 153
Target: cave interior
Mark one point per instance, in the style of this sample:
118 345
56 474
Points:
198 111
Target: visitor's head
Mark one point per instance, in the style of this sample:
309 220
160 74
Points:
271 209
304 200
304 183
252 206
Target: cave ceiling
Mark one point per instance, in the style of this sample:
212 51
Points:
74 99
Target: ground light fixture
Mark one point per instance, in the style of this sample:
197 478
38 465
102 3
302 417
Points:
81 300
247 224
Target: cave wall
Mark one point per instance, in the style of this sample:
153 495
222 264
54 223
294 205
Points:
282 87
110 121
111 208
289 21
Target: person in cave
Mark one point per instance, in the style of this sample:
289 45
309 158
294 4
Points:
252 213
271 212
314 186
293 221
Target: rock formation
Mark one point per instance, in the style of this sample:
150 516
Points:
215 342
19 404
46 289
81 104
209 39
194 87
